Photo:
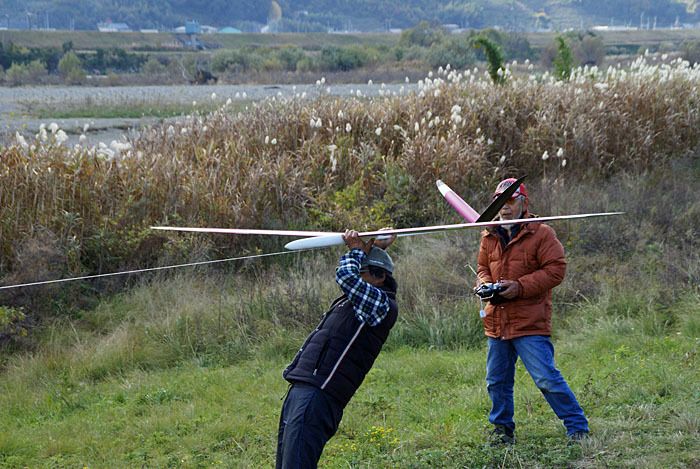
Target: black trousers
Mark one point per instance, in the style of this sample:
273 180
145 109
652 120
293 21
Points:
309 418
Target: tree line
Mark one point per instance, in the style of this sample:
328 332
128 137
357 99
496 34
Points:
322 15
22 65
423 47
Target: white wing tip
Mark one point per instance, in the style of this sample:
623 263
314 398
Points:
443 188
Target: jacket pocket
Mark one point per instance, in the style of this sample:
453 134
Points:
321 356
529 315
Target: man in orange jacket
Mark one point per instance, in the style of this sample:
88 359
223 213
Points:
527 260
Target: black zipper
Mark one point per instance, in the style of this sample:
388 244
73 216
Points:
321 356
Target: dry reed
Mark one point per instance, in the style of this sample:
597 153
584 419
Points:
326 162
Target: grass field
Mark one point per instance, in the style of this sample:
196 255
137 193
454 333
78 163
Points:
625 38
90 40
134 383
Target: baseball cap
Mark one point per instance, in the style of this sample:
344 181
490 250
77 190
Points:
505 184
378 257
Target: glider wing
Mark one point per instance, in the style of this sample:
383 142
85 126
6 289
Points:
337 239
244 231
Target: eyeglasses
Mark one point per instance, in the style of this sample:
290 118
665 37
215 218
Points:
362 271
512 201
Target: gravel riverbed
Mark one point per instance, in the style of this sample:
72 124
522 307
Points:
17 104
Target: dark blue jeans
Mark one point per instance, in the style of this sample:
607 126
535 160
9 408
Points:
309 418
537 354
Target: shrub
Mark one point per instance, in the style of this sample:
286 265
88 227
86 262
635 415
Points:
114 59
290 56
513 46
691 51
516 46
413 53
21 74
36 71
153 67
228 61
306 64
245 60
193 65
17 75
11 53
71 69
667 46
11 324
457 53
113 80
271 64
590 51
253 61
336 58
424 34
548 54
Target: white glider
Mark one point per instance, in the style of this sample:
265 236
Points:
320 239
336 238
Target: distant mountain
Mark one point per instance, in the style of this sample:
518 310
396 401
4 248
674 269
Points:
347 15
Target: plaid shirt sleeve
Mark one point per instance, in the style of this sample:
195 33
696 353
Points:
370 303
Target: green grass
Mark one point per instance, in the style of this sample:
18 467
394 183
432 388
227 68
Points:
186 372
85 40
417 408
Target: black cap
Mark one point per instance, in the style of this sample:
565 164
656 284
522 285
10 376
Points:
378 257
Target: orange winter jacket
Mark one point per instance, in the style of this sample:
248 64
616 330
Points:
535 258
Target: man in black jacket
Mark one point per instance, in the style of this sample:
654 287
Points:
337 355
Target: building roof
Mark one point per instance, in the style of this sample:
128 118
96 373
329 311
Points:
111 27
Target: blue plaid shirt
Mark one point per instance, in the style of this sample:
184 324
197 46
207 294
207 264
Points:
370 303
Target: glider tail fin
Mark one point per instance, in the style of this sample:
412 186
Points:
456 201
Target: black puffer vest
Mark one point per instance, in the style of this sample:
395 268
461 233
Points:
341 350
